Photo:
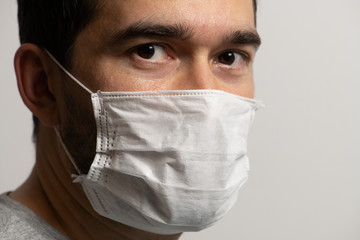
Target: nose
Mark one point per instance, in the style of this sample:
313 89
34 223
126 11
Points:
197 75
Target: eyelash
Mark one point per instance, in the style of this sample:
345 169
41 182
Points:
243 54
137 47
246 56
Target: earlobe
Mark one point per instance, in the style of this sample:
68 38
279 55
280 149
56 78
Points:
32 71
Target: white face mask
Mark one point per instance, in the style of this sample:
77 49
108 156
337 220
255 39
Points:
168 161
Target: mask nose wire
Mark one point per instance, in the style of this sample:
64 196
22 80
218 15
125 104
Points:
67 72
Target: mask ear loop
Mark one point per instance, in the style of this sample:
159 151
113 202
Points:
67 153
56 129
67 72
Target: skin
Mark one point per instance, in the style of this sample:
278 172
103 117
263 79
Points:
102 59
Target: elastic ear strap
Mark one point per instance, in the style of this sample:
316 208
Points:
67 73
66 151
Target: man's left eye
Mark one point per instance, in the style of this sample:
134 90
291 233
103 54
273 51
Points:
151 52
231 59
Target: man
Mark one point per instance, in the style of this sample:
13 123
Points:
131 140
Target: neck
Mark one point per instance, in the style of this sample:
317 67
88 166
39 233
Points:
50 193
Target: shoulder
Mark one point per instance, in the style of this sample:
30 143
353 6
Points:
20 223
5 215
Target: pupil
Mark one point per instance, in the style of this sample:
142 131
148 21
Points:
227 58
146 51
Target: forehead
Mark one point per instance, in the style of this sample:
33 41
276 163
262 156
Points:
194 13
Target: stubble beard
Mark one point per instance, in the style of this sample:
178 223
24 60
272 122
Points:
78 131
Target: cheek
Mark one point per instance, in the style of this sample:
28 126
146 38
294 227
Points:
78 126
115 75
244 89
248 89
250 92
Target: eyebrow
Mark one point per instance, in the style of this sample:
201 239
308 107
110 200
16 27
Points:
141 29
244 37
181 32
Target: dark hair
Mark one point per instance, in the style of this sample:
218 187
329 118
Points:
255 10
54 25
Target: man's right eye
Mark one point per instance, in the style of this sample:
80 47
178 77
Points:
151 52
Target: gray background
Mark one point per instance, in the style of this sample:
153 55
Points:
304 147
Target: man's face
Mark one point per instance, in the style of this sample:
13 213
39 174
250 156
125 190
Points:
150 56
142 45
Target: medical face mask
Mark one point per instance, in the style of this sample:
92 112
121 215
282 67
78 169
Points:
167 161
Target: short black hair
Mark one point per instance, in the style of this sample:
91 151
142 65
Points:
255 10
55 24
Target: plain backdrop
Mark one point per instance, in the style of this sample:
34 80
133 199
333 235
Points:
304 147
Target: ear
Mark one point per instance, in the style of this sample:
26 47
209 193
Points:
33 68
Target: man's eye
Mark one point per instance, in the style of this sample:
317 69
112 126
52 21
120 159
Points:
151 52
231 59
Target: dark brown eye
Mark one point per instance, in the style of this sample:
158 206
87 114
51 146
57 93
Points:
233 59
227 58
146 51
152 52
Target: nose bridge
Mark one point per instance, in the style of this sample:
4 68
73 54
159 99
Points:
199 75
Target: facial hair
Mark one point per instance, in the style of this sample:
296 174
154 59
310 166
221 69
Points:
78 130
